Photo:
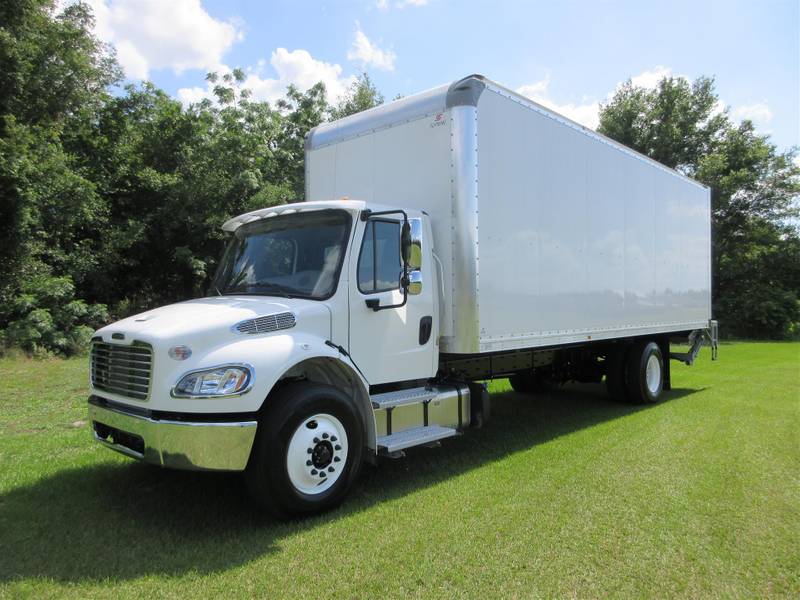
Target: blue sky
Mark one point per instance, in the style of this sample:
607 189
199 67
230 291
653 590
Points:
569 55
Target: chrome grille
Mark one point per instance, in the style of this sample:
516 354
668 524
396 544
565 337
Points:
267 323
123 370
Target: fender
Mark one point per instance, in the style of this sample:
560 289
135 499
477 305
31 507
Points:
319 362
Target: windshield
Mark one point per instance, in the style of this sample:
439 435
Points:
296 255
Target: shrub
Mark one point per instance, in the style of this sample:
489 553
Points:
47 318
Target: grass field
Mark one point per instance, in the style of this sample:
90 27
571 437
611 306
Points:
562 495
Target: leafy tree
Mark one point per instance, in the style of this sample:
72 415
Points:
756 265
361 96
171 176
676 124
54 75
302 112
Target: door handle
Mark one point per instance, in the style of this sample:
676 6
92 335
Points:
425 328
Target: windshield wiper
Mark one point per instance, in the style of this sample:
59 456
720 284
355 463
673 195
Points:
272 289
215 289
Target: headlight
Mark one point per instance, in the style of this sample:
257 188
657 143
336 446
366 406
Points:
225 380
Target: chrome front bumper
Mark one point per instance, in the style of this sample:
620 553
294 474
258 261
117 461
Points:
214 446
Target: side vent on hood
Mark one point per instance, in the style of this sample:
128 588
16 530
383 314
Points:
266 324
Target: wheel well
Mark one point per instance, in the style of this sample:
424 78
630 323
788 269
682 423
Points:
331 371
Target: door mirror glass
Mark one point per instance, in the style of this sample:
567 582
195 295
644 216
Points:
405 242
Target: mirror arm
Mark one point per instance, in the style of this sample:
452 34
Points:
375 303
367 214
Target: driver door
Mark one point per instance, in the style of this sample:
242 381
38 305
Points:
395 343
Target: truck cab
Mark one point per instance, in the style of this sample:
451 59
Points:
329 307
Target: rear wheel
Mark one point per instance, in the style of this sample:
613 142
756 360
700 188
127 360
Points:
645 373
308 450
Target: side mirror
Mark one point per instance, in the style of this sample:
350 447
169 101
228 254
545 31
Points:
415 244
414 283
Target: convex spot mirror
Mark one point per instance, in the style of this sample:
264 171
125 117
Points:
414 283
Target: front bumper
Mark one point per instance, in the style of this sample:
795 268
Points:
216 445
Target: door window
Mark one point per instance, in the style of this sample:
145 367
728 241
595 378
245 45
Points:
379 264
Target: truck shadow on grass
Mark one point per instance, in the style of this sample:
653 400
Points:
122 521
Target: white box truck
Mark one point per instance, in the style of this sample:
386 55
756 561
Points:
454 236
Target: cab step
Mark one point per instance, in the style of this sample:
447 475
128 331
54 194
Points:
416 436
416 395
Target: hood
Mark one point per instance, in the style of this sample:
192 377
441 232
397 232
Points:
215 315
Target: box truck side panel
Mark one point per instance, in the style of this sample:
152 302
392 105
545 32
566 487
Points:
578 238
405 165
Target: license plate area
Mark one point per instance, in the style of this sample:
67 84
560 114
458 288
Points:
119 438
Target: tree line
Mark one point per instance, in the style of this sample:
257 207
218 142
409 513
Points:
111 199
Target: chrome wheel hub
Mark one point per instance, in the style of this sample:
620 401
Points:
317 454
653 374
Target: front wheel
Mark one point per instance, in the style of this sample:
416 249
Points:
308 450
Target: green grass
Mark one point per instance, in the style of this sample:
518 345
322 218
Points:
562 495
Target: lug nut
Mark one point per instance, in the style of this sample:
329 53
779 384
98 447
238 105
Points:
309 450
313 471
308 463
334 439
337 447
336 459
325 436
316 440
330 469
322 474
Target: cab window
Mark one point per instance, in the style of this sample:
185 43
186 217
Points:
379 264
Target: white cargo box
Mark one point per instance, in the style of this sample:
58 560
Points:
547 232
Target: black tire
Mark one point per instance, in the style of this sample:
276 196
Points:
284 413
529 382
640 389
616 384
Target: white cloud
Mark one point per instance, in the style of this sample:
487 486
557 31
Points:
586 113
650 78
369 54
536 89
382 5
297 67
177 35
193 95
759 113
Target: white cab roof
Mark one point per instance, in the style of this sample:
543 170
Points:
352 206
